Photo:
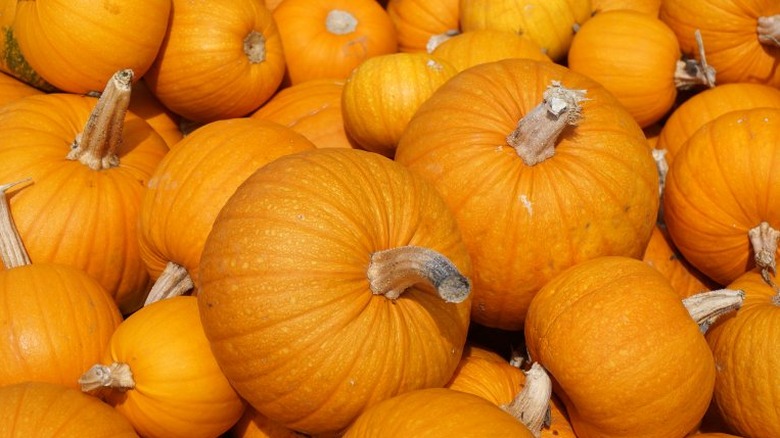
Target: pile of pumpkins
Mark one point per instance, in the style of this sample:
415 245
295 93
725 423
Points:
208 206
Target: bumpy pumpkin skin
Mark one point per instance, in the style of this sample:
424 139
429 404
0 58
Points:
626 357
598 195
284 295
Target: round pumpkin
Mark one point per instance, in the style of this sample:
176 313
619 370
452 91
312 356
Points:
421 25
486 45
319 259
555 195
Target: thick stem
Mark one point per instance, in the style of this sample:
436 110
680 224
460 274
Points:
763 239
115 376
532 405
706 307
97 145
537 133
691 73
769 30
174 281
254 47
340 22
435 40
392 271
12 250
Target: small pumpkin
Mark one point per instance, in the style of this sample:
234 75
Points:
421 25
486 45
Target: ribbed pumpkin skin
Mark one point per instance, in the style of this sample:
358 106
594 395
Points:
45 410
417 22
55 322
285 300
722 184
598 195
72 214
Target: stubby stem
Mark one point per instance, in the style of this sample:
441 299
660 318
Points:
254 47
768 30
706 307
537 132
12 250
532 405
763 239
435 40
340 22
393 271
690 73
174 281
114 376
97 145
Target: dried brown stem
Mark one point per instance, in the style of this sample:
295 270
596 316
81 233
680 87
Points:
691 73
174 281
12 250
115 376
532 405
768 30
763 239
706 307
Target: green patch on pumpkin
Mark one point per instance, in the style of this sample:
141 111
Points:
14 63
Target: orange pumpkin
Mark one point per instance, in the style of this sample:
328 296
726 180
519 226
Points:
319 259
90 160
110 37
421 25
663 256
554 196
12 89
161 119
650 7
311 108
486 45
46 410
160 374
326 39
218 60
722 216
190 186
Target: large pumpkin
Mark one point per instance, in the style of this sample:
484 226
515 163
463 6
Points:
531 207
314 287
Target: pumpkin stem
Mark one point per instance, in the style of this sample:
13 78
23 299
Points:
706 307
690 73
115 376
174 281
12 250
532 405
254 47
435 40
392 271
763 239
769 30
96 146
537 132
340 22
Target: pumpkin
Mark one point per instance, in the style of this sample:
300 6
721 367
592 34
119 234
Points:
421 25
320 260
636 57
745 349
160 374
90 160
12 89
110 37
650 7
46 410
376 106
190 186
479 46
708 105
627 358
12 61
326 39
161 119
740 37
218 60
311 108
550 23
54 320
554 196
664 256
256 425
723 218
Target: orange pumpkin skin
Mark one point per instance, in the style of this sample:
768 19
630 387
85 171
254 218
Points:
312 109
218 60
510 217
187 190
12 89
161 119
728 30
110 37
179 389
326 39
296 239
74 215
605 49
622 315
55 322
421 24
12 60
650 7
709 207
709 105
256 425
436 413
663 256
486 45
745 349
46 410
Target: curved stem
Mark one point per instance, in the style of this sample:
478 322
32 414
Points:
763 239
340 22
12 250
114 376
174 281
254 47
392 271
536 134
768 29
435 40
706 307
532 405
96 146
690 73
